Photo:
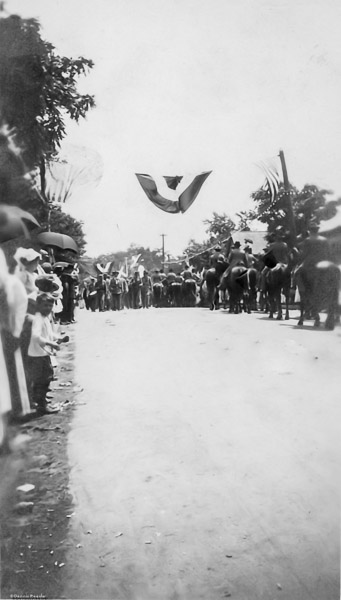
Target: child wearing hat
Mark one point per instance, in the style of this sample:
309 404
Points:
43 344
27 260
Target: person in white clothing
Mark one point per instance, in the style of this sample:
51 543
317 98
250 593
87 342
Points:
13 307
27 261
44 343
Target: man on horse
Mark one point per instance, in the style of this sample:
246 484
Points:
278 246
216 257
317 278
314 248
236 258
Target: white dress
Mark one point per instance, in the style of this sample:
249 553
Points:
13 317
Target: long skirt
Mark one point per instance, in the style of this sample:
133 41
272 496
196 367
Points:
5 393
20 404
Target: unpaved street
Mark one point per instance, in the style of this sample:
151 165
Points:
204 460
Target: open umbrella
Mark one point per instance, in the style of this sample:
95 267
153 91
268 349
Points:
57 240
15 222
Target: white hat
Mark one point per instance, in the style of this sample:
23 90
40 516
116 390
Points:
27 254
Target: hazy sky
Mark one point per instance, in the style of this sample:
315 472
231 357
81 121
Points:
184 86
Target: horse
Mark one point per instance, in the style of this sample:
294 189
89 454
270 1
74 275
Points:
189 292
252 278
212 278
236 282
157 294
175 293
277 279
319 288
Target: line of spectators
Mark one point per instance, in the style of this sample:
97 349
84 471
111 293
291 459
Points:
34 301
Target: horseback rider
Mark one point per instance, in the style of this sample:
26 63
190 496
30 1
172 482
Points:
216 257
162 274
156 276
170 276
278 246
236 258
314 249
251 260
187 273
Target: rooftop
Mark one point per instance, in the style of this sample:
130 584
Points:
255 239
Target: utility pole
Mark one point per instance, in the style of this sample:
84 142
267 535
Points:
163 235
290 209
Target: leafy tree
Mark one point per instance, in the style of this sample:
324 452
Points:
199 253
60 221
38 90
150 259
194 247
219 227
245 218
308 203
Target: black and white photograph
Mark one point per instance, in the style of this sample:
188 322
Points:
170 299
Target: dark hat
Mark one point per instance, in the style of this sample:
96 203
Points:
43 297
47 267
237 244
46 284
115 272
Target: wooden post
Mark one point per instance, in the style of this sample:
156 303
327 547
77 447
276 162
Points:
163 235
289 207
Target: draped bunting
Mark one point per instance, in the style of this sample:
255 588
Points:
173 182
186 198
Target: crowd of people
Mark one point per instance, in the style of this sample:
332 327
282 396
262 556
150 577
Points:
185 285
38 298
34 301
117 291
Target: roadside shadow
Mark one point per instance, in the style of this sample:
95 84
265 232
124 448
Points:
309 327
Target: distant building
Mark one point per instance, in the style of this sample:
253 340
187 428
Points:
254 239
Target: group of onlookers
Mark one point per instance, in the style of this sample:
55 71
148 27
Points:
116 291
34 300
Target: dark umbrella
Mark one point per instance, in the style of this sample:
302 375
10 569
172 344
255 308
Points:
15 222
57 240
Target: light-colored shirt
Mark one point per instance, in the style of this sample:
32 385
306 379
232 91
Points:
42 333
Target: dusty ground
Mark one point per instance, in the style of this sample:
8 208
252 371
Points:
33 538
204 461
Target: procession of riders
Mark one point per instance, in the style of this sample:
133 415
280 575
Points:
284 273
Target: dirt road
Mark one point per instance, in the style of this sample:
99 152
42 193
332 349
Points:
204 460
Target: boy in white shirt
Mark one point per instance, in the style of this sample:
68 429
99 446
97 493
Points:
43 344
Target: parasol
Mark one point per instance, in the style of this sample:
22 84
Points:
15 222
57 240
